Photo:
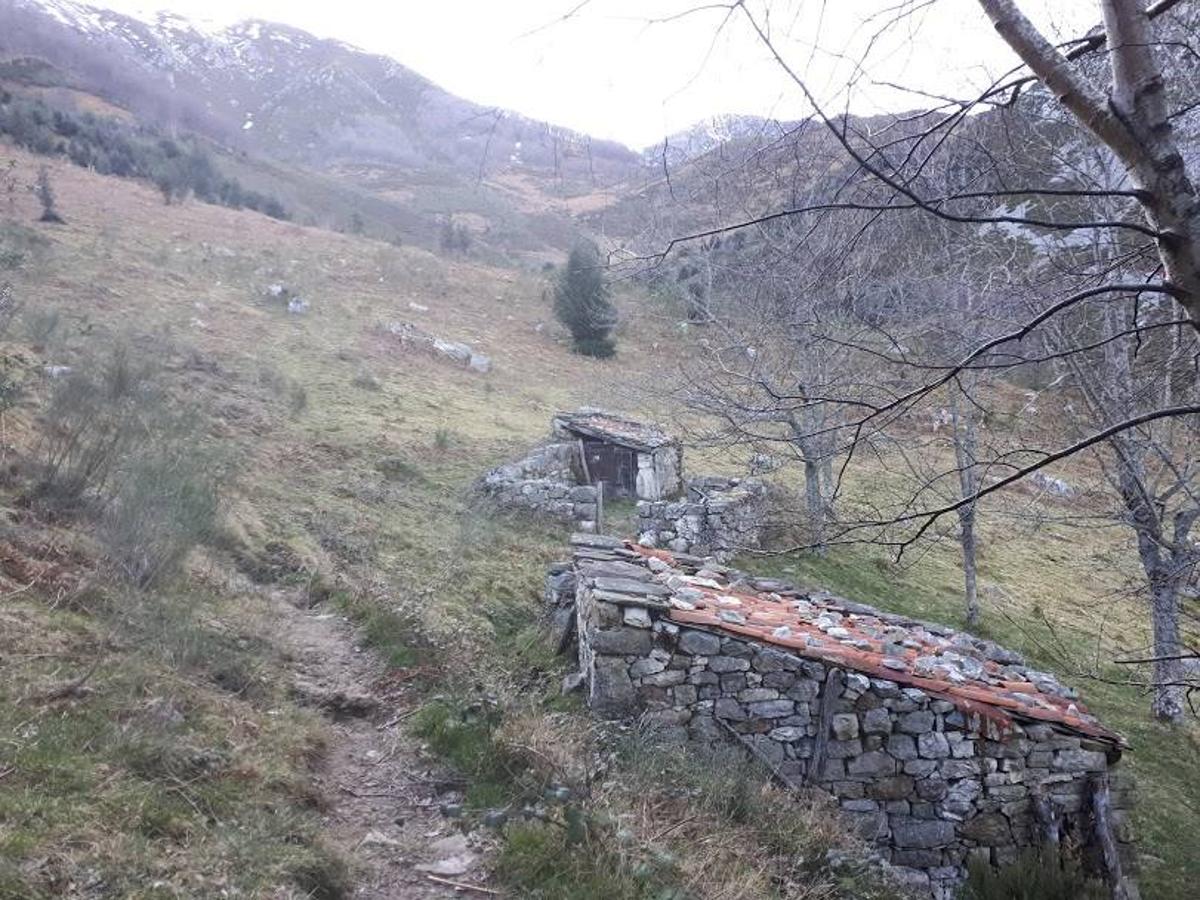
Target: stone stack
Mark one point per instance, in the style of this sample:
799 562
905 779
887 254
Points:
934 764
718 516
544 483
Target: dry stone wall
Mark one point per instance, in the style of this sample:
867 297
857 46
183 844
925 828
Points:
717 516
929 784
545 483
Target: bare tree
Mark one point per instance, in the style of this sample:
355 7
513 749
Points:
1132 118
1035 175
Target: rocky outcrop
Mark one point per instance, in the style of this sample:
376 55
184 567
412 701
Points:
409 335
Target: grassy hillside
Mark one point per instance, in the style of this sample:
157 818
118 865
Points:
353 460
42 111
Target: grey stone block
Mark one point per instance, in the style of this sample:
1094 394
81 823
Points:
843 749
917 722
920 833
622 641
787 733
877 721
648 666
874 763
901 746
728 708
733 682
699 643
772 709
684 695
845 726
933 745
668 678
637 617
610 692
920 768
728 664
753 695
1079 761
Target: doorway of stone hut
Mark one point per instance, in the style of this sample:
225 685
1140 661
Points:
613 465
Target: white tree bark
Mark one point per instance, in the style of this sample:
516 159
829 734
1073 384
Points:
1132 121
965 442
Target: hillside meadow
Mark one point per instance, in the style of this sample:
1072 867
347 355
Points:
353 457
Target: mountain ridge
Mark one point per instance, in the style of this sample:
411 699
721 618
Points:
262 87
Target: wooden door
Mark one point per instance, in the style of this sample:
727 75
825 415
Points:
615 466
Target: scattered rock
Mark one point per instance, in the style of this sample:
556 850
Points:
338 702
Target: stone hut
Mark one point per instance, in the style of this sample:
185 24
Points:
937 745
632 459
591 457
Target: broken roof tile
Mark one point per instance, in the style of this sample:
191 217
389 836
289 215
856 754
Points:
978 677
599 424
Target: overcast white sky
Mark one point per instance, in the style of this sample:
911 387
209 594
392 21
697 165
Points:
634 70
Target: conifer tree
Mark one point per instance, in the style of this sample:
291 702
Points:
582 304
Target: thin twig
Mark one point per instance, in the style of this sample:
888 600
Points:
662 834
462 885
71 688
397 719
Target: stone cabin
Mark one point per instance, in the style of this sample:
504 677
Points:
633 460
937 745
594 456
591 457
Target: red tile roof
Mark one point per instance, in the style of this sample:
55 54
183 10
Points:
622 431
935 660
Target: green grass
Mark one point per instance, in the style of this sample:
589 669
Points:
1163 760
538 862
145 777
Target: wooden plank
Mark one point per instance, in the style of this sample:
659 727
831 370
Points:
757 754
1102 822
568 632
1047 816
587 475
829 698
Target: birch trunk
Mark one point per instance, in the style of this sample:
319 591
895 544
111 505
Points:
1132 121
965 441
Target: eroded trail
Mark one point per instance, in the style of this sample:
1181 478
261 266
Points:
385 796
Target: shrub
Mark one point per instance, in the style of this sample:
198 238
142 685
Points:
165 501
113 442
1036 875
96 418
45 194
10 307
455 236
543 864
582 304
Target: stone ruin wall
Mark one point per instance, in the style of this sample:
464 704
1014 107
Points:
717 516
922 782
545 482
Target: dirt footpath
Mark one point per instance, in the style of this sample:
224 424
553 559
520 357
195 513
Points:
385 796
